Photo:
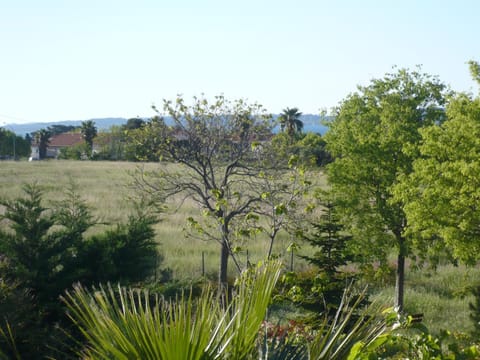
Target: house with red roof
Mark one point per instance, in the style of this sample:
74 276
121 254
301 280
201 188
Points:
56 144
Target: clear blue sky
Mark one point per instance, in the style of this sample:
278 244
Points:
82 59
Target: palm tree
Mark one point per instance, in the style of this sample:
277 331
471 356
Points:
42 138
290 121
89 131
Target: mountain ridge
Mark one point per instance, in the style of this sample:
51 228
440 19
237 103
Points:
312 123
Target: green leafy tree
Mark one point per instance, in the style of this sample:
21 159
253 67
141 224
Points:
22 147
442 194
290 122
369 138
133 123
474 68
110 145
12 145
89 132
60 129
75 152
310 149
144 143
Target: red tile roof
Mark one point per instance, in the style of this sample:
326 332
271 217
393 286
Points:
66 139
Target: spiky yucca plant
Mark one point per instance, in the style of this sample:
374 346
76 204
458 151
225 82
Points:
7 335
353 332
132 324
128 324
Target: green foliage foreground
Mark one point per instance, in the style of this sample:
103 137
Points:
43 251
132 324
128 324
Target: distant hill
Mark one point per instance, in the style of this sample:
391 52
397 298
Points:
102 124
311 124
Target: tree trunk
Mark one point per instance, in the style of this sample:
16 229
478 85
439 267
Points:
400 275
222 272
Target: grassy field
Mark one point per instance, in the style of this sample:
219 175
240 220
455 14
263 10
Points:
104 186
440 295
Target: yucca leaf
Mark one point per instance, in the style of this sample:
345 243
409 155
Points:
341 339
124 324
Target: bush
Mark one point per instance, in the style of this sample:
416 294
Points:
76 152
20 332
310 148
126 254
45 251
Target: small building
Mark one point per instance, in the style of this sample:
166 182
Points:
56 144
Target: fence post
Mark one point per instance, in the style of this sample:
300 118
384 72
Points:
291 261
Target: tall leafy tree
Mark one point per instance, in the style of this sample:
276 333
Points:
13 145
89 132
442 195
60 129
290 122
474 68
368 137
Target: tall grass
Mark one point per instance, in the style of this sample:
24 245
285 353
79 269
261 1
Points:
441 295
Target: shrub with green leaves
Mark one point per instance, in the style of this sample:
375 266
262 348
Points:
125 254
413 340
44 251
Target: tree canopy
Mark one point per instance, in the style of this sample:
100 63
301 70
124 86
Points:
368 138
12 145
443 192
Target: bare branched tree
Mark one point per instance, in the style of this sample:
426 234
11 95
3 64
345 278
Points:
222 163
